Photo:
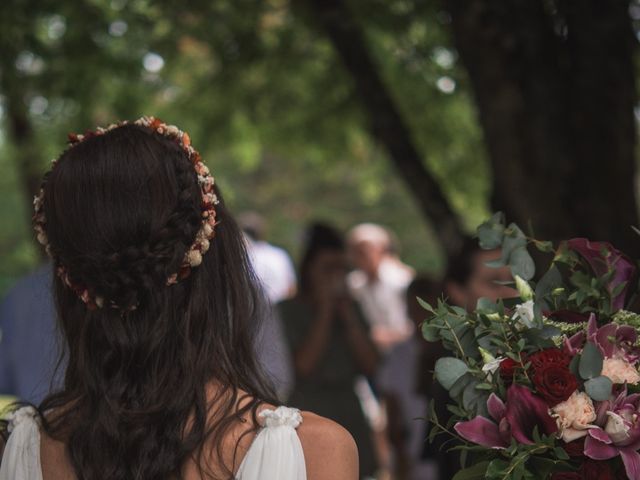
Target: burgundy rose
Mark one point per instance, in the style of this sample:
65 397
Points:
550 356
507 369
551 376
554 383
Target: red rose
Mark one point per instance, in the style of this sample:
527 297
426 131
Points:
553 356
551 376
507 369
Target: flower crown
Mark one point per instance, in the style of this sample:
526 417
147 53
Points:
205 234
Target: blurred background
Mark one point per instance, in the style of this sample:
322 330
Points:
422 116
418 114
267 99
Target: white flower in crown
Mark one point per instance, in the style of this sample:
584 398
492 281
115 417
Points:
173 130
193 257
145 121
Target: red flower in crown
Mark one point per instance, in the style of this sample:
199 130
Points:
202 242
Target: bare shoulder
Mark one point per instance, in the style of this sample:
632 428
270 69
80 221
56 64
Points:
329 449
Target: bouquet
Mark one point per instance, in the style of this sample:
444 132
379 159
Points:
545 385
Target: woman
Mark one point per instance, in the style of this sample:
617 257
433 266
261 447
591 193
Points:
158 308
329 340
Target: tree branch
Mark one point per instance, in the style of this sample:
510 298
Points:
385 121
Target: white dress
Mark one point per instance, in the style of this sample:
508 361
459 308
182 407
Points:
276 451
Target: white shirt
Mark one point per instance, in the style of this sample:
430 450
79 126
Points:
383 301
273 267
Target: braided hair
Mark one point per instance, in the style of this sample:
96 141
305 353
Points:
122 209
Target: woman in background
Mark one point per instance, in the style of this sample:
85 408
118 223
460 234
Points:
329 340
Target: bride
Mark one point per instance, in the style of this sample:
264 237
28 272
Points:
158 310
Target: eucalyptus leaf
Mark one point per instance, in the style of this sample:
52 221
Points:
491 232
486 305
522 264
513 240
458 387
573 366
599 388
551 280
448 370
430 333
470 395
590 361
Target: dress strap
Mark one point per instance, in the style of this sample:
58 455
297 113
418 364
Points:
21 458
281 416
276 451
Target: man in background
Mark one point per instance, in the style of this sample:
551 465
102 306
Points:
379 283
272 264
276 273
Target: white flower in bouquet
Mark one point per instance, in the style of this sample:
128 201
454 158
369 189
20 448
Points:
491 364
524 314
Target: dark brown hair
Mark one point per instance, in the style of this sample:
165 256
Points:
122 209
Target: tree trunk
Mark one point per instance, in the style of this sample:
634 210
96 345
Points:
385 121
555 94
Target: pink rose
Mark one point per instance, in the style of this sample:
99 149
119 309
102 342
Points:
574 416
620 371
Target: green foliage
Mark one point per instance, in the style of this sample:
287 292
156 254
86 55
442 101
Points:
476 472
264 98
449 370
591 360
520 462
513 244
599 388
